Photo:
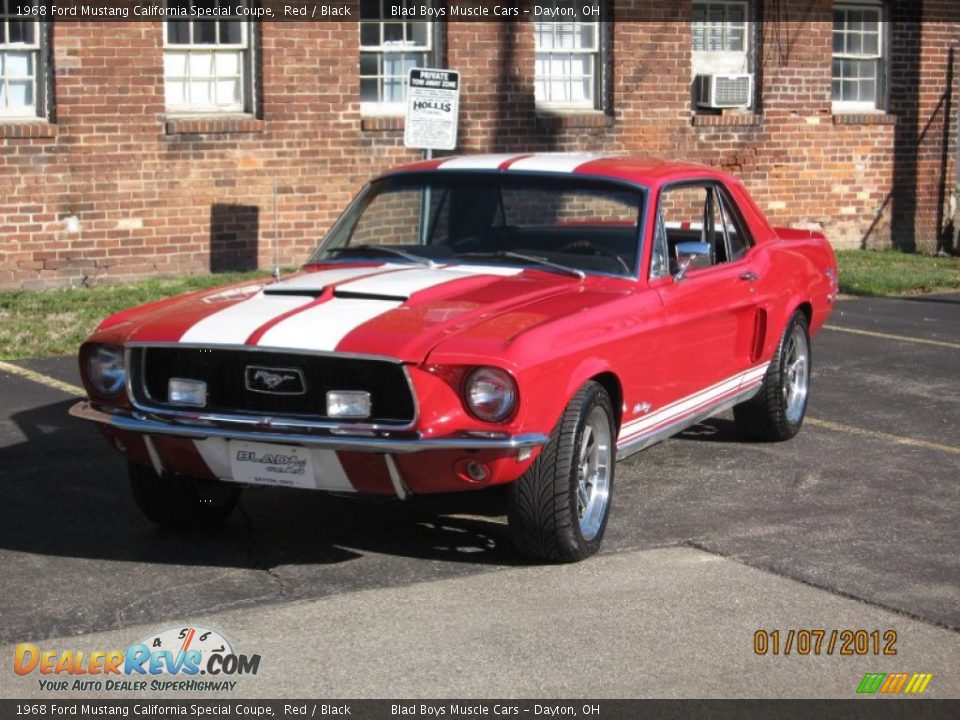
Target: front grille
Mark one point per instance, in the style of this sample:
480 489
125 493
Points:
224 371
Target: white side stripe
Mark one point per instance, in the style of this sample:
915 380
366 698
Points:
323 327
685 405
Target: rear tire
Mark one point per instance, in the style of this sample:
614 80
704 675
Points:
181 501
776 412
558 509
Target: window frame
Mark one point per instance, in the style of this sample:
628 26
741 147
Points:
722 200
599 71
730 62
881 58
429 50
745 4
247 66
40 75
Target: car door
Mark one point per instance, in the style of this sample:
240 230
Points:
710 312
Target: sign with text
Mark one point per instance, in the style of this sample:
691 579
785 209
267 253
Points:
433 106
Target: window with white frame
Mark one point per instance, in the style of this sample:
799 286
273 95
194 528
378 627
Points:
20 76
720 27
720 38
206 63
388 50
567 57
857 56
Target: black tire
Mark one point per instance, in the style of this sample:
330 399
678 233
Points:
543 509
769 416
181 501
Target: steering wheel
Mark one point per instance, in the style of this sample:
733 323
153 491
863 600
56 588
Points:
587 247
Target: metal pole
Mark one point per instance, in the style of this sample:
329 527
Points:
276 236
425 204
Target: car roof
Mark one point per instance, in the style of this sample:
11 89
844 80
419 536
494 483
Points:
642 170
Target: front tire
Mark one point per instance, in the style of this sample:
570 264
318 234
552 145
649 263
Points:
181 501
558 509
776 412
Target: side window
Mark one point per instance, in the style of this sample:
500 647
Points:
697 213
658 260
738 238
686 212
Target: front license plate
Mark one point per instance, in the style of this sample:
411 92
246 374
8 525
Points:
263 464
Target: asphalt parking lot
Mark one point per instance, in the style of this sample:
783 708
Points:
853 524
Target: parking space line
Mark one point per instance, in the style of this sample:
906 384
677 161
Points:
888 336
886 437
36 377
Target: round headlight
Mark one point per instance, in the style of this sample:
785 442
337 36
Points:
490 393
106 369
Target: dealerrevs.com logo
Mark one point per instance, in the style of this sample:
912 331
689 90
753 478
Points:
188 659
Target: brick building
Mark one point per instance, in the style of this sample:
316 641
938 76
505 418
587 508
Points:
146 147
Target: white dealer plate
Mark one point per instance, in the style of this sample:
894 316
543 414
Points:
263 464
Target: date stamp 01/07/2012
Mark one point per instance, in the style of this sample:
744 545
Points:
820 641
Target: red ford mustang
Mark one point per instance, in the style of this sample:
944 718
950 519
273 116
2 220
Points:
470 322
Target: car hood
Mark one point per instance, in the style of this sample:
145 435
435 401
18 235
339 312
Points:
394 310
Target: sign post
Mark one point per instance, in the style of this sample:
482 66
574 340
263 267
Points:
433 107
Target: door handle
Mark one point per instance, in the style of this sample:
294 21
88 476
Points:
749 276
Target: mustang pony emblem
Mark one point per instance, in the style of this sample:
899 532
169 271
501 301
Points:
278 381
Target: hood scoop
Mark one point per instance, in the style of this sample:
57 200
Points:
293 291
356 295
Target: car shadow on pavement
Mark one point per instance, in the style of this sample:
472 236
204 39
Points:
719 430
66 494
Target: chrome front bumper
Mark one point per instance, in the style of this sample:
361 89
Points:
251 429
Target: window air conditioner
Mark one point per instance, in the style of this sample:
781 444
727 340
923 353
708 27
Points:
723 91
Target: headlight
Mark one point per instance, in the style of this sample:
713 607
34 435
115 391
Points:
490 393
106 370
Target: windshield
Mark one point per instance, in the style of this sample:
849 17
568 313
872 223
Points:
572 224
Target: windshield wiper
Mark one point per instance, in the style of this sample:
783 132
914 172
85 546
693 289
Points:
557 267
385 249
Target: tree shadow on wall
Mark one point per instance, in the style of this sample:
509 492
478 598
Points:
918 140
234 237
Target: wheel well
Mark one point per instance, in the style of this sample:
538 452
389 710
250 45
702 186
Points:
807 310
611 383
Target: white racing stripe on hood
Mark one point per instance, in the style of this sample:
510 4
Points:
234 324
556 162
324 326
404 284
316 281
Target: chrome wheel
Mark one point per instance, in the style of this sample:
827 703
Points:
594 465
796 374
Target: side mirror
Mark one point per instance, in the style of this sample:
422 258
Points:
687 252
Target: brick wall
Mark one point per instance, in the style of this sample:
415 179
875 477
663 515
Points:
115 190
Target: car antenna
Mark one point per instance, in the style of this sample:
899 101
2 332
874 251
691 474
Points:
276 239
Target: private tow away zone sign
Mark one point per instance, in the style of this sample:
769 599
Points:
433 105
